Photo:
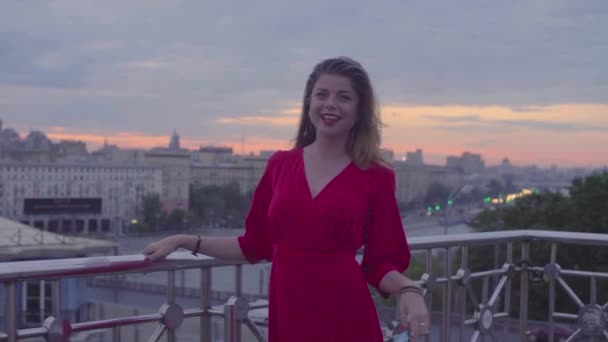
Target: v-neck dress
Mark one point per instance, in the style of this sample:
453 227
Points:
318 291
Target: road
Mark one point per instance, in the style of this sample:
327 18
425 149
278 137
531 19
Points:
425 226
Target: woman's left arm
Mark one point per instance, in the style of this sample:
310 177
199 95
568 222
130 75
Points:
413 313
387 255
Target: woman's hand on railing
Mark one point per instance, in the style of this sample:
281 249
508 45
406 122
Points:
222 247
413 314
160 249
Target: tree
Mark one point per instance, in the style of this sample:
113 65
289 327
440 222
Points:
509 186
586 210
475 195
152 210
196 204
138 227
436 194
589 197
236 205
219 205
177 219
495 188
537 211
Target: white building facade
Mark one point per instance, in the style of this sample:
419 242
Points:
75 198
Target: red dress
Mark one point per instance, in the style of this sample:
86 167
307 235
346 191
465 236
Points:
318 291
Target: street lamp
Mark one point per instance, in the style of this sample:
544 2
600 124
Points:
465 187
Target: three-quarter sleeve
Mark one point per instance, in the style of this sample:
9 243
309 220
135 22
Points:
255 242
386 247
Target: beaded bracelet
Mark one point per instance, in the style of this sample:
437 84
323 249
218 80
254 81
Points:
198 245
411 288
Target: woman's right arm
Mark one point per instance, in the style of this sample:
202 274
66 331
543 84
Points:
253 246
226 248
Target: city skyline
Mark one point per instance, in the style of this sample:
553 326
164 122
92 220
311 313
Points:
527 81
166 142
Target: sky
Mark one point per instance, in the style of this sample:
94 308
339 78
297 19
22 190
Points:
527 80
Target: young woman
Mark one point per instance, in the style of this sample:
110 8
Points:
314 207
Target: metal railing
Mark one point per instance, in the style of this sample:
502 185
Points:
463 313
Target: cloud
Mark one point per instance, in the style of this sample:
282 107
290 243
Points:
481 144
290 121
34 60
152 66
476 123
449 119
526 109
550 126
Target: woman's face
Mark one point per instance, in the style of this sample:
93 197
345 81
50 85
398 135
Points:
333 106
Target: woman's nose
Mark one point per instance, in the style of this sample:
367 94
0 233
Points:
330 103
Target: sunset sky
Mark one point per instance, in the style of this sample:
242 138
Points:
527 80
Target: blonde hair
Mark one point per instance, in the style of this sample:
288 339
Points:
363 145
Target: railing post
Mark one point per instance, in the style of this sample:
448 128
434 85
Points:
507 303
10 311
523 300
205 319
101 315
56 299
238 290
552 293
171 300
447 296
462 292
232 324
238 280
429 289
116 334
136 327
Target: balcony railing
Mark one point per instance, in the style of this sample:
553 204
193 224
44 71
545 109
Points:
462 313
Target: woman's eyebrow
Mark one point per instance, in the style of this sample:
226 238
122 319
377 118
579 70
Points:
339 91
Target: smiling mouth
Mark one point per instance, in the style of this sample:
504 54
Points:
330 119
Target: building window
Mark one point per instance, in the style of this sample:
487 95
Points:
37 302
92 226
105 225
